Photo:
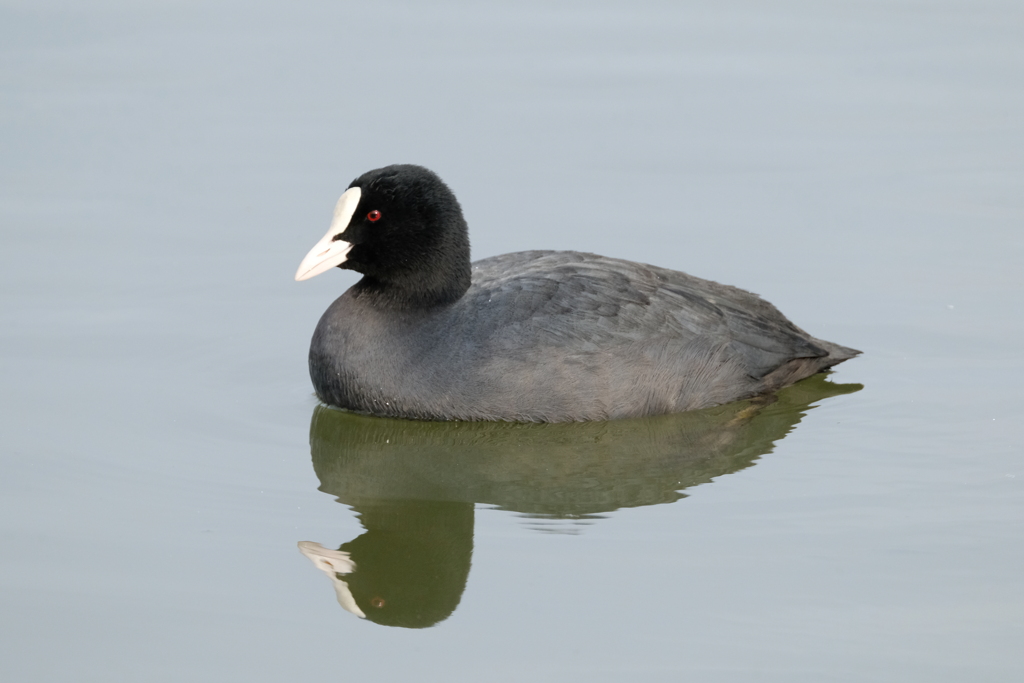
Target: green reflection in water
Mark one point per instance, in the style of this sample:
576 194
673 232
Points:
414 485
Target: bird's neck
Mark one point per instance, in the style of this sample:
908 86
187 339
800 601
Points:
440 286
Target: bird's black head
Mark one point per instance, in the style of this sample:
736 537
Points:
402 228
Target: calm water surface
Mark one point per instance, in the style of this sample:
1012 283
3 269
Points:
175 505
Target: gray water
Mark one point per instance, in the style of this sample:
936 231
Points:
165 166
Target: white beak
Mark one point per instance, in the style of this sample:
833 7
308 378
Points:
333 563
330 251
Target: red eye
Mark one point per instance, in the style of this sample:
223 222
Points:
373 216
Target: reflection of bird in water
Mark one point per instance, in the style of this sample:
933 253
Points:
414 485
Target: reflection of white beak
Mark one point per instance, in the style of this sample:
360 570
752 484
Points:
330 251
333 563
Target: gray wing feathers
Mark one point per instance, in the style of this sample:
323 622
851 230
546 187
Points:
552 293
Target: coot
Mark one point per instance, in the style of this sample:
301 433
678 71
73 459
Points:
534 336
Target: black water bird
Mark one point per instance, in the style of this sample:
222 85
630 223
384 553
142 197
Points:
533 336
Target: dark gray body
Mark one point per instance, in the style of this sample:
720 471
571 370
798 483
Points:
561 336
